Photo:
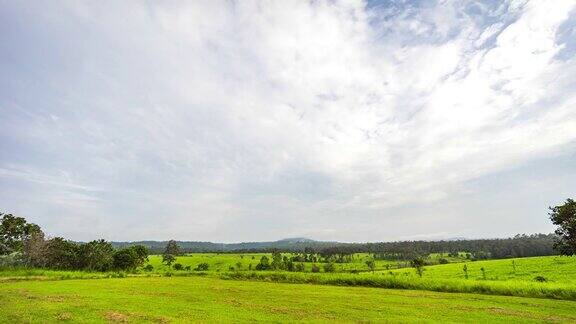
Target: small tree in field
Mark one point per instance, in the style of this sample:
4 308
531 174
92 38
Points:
418 265
465 269
172 248
264 263
171 251
564 216
168 259
371 265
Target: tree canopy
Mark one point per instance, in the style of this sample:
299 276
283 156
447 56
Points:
564 216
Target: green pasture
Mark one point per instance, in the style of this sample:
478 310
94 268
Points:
555 269
196 299
508 277
226 261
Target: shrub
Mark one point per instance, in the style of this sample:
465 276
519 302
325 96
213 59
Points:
11 260
148 268
329 267
178 266
443 261
540 279
264 263
315 268
202 267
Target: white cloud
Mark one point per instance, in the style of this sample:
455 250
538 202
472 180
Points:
246 121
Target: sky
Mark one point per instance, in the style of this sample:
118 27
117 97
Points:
235 121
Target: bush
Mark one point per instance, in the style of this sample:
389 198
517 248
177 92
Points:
264 263
540 279
443 261
299 267
148 268
11 260
178 266
329 267
202 267
315 268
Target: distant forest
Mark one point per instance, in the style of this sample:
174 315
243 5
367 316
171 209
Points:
518 246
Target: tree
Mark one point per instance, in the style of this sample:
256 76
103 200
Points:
172 248
61 254
171 251
168 259
35 250
130 258
418 264
371 265
564 216
264 263
97 255
124 259
277 263
13 232
141 254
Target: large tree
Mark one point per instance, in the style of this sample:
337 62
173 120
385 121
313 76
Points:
14 231
564 216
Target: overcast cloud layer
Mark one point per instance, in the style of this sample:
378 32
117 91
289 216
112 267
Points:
252 120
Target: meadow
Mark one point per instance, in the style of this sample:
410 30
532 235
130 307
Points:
507 277
506 291
205 299
554 269
246 261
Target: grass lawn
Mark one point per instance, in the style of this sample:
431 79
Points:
185 299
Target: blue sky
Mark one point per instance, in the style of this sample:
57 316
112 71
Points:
247 121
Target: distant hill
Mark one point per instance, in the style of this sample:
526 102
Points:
288 244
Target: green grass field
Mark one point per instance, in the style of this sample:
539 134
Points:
224 261
509 292
559 269
502 278
195 299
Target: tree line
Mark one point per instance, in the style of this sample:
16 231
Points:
27 245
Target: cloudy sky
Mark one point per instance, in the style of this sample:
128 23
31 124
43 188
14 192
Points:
259 120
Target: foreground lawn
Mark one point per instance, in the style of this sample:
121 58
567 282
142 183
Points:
188 299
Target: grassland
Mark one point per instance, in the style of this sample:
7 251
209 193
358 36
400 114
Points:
226 261
558 269
509 277
196 299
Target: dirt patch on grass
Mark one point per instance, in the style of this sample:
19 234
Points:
116 317
509 312
64 317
